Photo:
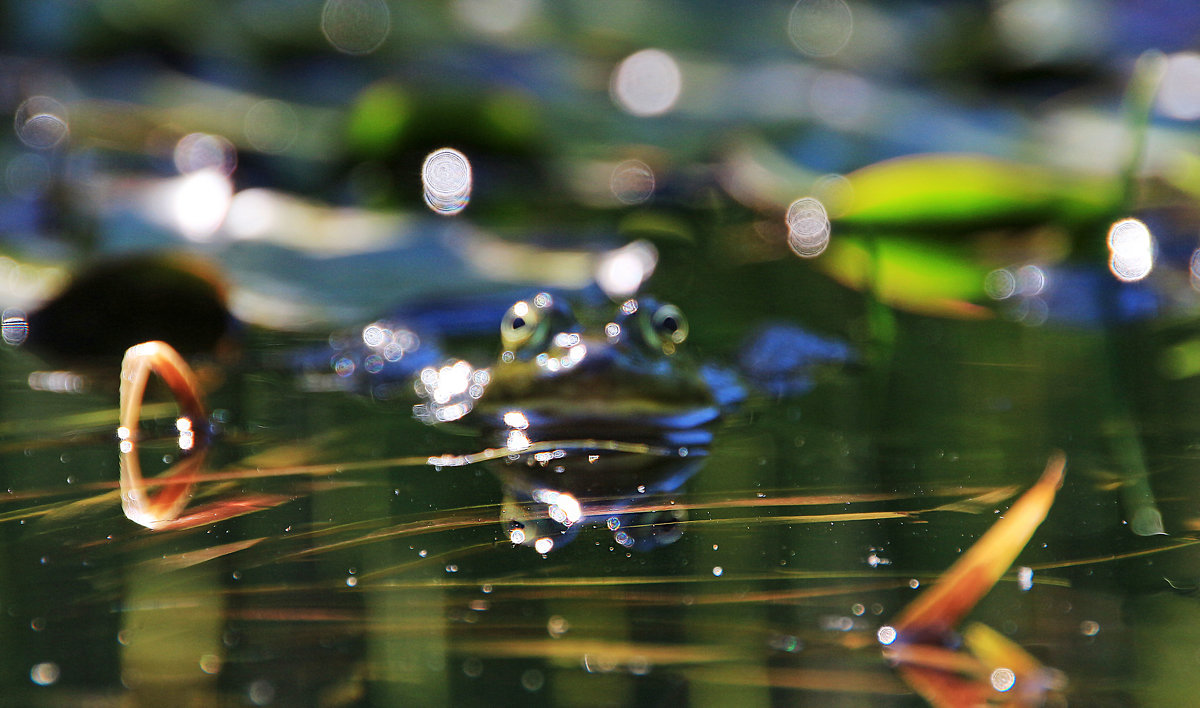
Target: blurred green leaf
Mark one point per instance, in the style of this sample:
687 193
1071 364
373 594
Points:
972 191
908 273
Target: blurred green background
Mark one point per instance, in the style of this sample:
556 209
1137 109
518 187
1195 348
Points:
964 164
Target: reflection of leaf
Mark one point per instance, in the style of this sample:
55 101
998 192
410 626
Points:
936 611
971 191
221 510
992 669
908 274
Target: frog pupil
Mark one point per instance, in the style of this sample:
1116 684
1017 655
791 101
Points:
518 322
669 324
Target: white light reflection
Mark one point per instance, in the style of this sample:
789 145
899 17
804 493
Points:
516 419
647 83
14 327
1179 90
1131 250
563 507
451 391
252 214
356 26
187 437
1003 679
517 441
632 182
620 272
1030 280
199 202
886 635
808 227
820 28
389 343
41 122
543 545
446 176
1025 578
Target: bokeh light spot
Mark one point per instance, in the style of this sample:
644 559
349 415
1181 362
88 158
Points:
1179 91
356 26
1000 284
647 83
41 122
199 202
820 28
45 673
632 182
808 227
1131 250
446 176
620 272
15 327
1003 679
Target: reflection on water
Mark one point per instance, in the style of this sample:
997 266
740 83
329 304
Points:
337 552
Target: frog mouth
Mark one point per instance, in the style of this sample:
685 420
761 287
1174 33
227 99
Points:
607 389
606 410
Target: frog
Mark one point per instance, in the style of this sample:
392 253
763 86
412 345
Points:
595 409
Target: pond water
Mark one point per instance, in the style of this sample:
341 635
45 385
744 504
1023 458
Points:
356 573
952 192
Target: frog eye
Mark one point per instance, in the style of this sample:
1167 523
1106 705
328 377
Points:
519 325
670 325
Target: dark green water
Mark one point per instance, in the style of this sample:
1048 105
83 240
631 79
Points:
391 583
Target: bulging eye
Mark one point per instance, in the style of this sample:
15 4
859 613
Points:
670 325
519 325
